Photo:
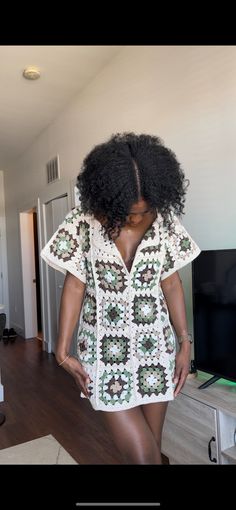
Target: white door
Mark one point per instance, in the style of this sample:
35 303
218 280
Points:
53 205
55 212
1 270
3 254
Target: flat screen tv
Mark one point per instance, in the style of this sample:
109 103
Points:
214 313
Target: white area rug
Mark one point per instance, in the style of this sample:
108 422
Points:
45 450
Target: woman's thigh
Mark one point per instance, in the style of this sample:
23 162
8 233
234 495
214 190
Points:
155 415
132 436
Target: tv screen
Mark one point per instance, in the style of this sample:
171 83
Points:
214 312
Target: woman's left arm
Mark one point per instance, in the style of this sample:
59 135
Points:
174 295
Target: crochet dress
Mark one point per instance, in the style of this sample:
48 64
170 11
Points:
125 339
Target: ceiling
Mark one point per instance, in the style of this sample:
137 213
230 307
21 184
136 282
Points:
28 107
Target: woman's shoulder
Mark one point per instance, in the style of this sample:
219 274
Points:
76 216
170 221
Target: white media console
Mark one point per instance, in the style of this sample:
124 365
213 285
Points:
200 424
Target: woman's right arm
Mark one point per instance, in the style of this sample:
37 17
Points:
70 308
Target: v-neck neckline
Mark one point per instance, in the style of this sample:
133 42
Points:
113 244
139 246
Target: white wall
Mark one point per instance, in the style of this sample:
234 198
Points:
185 95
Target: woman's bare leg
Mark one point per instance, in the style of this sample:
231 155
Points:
133 436
155 416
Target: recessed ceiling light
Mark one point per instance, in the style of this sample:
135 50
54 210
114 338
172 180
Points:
31 73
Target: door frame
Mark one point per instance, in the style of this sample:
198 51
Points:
30 311
53 191
3 249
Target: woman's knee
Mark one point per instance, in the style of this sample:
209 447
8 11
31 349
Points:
140 453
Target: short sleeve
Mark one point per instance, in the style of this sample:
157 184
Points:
180 248
68 247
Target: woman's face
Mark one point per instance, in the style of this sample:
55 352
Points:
139 211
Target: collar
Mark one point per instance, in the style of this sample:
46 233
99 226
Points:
152 236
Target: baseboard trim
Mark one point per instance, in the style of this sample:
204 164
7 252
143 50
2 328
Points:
1 393
19 330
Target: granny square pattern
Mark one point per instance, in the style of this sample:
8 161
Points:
126 342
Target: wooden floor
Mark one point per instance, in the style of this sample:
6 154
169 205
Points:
40 399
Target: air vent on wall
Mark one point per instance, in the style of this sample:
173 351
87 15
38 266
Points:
52 167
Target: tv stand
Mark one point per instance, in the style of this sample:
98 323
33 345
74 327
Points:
210 381
200 426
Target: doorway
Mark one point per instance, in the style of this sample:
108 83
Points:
37 275
30 274
53 205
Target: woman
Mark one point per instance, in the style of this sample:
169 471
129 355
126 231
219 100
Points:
121 249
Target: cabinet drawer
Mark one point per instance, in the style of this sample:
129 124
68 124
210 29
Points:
188 430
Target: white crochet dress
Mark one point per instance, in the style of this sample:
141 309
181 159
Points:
125 339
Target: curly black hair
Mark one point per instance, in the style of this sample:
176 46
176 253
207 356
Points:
117 173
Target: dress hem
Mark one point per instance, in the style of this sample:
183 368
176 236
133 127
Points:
137 403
